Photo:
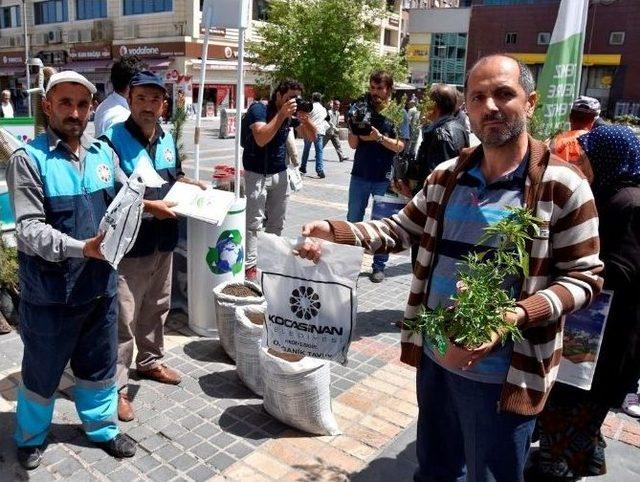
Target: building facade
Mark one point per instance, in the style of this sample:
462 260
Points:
89 35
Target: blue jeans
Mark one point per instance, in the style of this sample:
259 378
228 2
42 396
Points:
318 145
461 435
359 192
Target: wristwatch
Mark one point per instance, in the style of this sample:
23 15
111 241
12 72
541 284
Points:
380 139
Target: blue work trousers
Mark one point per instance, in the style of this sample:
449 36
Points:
318 145
87 336
462 436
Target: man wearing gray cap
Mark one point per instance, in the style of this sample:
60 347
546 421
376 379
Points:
61 184
584 112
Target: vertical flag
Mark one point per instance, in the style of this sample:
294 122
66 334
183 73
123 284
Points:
559 82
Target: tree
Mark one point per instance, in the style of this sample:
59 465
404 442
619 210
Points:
331 46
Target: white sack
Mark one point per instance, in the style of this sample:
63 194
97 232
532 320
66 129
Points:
311 308
247 344
121 221
226 312
298 394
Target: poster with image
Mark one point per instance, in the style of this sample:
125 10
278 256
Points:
583 334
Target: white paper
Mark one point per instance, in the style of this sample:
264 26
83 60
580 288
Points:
583 334
208 205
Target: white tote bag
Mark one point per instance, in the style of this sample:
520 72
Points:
295 179
311 308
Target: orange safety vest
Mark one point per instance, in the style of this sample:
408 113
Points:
566 146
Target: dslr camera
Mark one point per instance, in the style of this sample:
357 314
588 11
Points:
303 105
359 117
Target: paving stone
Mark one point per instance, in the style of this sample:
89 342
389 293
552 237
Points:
222 440
123 475
153 443
54 455
343 384
162 474
188 440
139 432
168 452
173 431
221 461
66 467
204 450
106 466
184 462
146 463
274 427
91 455
377 362
190 422
209 412
202 472
239 450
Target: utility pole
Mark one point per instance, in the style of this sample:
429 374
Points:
26 52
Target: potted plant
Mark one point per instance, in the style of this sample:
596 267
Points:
481 302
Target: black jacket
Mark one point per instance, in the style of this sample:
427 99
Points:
441 141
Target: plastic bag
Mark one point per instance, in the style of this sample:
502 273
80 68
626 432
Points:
249 327
226 305
311 309
121 221
297 392
295 179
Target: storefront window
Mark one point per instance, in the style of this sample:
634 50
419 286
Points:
86 9
10 17
137 7
50 11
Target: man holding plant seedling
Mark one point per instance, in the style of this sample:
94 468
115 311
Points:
505 221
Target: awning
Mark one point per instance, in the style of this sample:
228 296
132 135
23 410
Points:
89 65
157 64
403 86
587 59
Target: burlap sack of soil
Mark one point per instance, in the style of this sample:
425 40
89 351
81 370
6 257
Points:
227 297
249 327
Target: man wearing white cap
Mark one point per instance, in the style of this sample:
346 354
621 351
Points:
584 112
61 184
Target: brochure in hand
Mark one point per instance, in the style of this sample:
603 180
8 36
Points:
208 205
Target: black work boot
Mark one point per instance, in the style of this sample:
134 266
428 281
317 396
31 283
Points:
119 446
30 457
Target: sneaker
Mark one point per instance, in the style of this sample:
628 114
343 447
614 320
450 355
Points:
631 405
321 174
302 170
30 457
120 446
377 277
251 274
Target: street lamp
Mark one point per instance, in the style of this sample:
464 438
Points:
26 53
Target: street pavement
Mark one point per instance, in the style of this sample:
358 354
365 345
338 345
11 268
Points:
213 428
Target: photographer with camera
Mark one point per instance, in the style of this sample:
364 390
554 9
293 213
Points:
374 140
264 161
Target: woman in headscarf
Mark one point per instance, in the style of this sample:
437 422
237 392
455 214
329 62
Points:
571 443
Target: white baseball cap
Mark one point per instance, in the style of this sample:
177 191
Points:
69 76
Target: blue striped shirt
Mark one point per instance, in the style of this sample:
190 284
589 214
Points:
473 206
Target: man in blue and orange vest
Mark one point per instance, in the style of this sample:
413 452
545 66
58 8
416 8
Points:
61 184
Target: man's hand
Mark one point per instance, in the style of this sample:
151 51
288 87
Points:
288 109
304 117
402 187
373 135
92 247
160 209
312 249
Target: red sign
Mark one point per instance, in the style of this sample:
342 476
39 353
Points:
173 49
16 57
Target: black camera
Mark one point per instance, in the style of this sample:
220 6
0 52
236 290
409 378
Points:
304 105
359 117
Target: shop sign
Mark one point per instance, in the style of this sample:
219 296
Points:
218 32
418 52
394 22
217 52
12 57
173 49
94 52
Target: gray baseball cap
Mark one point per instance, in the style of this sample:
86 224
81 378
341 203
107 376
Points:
585 104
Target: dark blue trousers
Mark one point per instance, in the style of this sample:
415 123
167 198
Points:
461 435
85 335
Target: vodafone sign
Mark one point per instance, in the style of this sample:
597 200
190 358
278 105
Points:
174 49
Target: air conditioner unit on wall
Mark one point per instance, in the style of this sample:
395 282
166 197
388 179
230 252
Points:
73 36
54 37
131 30
86 35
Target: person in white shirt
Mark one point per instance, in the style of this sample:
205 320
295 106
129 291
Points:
6 108
115 108
318 118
